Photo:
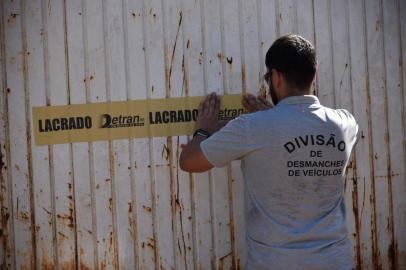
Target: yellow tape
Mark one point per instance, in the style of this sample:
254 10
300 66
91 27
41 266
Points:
121 120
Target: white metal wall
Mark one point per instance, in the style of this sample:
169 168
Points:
125 203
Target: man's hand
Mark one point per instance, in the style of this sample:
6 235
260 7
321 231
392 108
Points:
253 104
207 117
192 158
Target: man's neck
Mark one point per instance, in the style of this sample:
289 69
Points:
294 93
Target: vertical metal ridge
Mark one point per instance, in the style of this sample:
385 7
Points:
231 215
28 129
374 254
169 138
229 171
107 57
296 19
403 110
72 168
211 184
10 221
330 25
150 142
391 259
203 33
113 205
134 224
242 46
222 44
50 147
90 144
185 84
354 154
260 45
277 18
316 83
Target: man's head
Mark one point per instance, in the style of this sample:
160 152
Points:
291 63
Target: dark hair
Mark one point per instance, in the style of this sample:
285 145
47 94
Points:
295 57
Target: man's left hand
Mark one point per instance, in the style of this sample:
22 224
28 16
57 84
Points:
207 117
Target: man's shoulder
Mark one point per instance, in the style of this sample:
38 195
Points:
259 115
346 115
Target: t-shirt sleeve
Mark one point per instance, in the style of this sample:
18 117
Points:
229 143
353 127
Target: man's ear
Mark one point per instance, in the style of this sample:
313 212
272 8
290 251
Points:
278 78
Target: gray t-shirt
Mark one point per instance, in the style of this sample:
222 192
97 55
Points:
293 159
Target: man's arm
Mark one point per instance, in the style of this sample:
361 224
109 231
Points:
192 158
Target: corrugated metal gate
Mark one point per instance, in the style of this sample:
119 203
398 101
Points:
125 203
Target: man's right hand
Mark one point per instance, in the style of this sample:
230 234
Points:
253 104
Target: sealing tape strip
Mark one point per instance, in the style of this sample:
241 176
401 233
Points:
121 120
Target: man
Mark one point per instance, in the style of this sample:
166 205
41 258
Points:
293 162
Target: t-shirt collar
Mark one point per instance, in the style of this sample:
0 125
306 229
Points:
304 99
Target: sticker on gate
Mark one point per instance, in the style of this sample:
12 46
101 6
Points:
124 119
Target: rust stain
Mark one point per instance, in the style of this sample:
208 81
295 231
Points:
103 264
378 25
169 76
166 152
222 260
135 14
151 244
392 255
63 235
238 267
243 79
147 208
178 207
91 77
68 265
185 88
83 266
45 265
2 162
23 215
220 57
12 18
375 251
110 204
391 249
356 215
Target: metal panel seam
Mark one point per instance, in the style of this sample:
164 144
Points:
134 223
28 128
150 146
112 200
169 147
73 199
370 134
10 221
391 254
242 46
355 176
90 144
50 148
229 170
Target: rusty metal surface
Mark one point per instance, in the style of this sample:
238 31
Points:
125 204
